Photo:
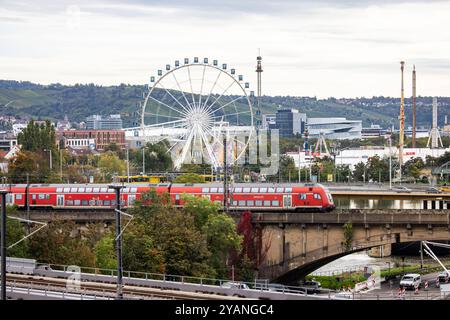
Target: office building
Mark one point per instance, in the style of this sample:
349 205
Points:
97 122
290 122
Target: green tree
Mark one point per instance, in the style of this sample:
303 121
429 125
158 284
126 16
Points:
105 255
222 238
189 178
15 232
28 163
110 165
157 157
200 208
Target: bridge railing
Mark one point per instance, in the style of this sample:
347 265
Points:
257 284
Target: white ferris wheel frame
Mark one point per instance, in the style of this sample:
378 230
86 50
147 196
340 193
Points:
186 109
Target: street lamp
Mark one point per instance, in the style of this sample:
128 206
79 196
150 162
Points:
50 153
143 160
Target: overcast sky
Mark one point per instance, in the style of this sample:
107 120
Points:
321 48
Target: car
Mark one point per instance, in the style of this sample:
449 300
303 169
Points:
234 285
411 281
433 190
444 275
343 295
401 189
276 287
311 286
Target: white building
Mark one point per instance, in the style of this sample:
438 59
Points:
334 128
80 143
351 157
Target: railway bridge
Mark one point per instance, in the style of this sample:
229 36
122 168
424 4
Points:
292 245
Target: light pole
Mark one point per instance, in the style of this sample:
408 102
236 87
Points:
299 170
3 244
117 189
128 165
50 153
390 162
60 164
143 160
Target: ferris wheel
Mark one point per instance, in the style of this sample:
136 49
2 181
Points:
194 104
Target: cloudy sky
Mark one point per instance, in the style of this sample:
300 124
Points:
321 48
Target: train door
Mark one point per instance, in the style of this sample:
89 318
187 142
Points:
60 200
287 201
10 198
131 199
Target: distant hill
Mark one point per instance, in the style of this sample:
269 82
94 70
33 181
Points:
26 99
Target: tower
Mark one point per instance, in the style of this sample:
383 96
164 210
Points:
401 118
435 136
259 70
414 107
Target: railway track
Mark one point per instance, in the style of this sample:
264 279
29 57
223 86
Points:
106 290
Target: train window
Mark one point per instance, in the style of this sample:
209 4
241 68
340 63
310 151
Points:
66 189
266 203
302 196
262 190
246 190
73 189
241 203
205 190
238 190
275 203
250 203
110 190
59 189
88 189
47 197
99 202
280 190
235 202
255 190
33 197
69 202
96 190
102 190
213 190
258 203
76 202
133 190
113 202
317 196
81 189
220 190
177 197
92 202
18 197
126 190
271 190
288 190
84 202
107 203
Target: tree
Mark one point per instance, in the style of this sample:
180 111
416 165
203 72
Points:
359 171
110 165
15 232
37 137
288 170
200 208
222 238
56 244
157 157
105 255
189 178
28 163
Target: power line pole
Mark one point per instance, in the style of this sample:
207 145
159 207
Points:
225 174
3 245
117 189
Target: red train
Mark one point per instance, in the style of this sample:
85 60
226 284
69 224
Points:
253 197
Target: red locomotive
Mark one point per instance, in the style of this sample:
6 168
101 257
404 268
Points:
253 197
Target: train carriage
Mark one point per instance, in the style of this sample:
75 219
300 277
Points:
243 196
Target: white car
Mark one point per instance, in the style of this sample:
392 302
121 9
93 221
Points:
234 285
411 281
401 189
443 275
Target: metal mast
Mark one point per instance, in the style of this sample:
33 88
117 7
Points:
414 107
259 70
402 120
435 136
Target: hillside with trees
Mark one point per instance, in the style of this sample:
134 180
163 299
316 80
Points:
54 101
